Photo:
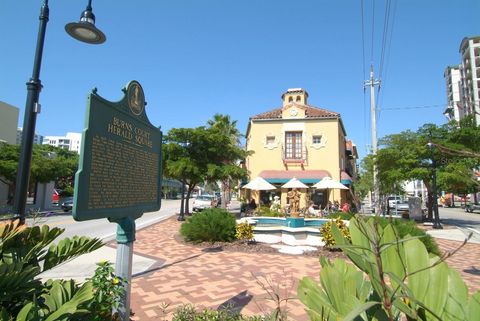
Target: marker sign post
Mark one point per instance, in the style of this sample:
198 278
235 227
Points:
119 175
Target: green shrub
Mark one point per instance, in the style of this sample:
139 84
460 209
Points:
244 231
343 216
409 227
403 227
391 278
108 290
188 312
266 211
327 235
210 225
26 252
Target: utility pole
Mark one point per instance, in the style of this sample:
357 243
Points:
372 82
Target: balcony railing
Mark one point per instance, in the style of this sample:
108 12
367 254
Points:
302 159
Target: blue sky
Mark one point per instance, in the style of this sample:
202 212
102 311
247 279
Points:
196 58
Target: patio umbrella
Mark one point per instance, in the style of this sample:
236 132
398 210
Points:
294 183
328 183
259 184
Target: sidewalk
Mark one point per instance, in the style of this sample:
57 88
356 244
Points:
186 274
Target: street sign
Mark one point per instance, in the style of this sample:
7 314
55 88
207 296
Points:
119 173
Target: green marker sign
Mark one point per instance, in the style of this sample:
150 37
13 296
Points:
120 160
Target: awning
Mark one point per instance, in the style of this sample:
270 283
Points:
345 178
306 177
171 183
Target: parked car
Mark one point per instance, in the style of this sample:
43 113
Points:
67 204
392 200
402 206
203 201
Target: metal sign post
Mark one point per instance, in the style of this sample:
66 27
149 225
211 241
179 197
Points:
119 175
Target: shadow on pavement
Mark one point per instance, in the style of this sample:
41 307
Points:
161 267
236 303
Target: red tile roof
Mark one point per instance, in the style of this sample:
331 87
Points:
310 112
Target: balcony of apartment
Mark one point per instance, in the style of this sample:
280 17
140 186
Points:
295 156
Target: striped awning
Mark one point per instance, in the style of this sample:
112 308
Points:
306 177
345 178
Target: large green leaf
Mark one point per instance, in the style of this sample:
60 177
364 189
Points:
68 249
437 292
393 257
474 307
69 306
455 308
17 282
417 261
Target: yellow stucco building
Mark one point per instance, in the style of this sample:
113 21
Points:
302 141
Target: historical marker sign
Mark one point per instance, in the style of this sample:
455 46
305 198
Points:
120 161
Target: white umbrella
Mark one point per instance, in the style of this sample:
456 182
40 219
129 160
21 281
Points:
329 183
259 184
294 183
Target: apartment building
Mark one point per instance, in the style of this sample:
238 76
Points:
37 139
454 108
467 79
71 141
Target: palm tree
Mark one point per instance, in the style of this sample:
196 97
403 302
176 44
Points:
225 126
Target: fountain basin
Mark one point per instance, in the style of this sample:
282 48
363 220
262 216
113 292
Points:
290 231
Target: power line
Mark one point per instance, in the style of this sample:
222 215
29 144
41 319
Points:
386 20
363 42
414 107
373 31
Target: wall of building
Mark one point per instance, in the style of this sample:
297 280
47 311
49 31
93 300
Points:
8 123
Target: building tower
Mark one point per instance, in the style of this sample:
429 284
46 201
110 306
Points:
454 108
470 76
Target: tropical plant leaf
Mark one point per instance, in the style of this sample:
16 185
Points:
68 249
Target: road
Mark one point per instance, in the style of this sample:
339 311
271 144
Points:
102 228
467 222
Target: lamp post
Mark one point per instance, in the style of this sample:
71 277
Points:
436 223
181 216
34 86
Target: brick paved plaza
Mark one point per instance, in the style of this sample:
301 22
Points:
187 274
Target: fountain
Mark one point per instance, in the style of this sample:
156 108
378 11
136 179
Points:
292 231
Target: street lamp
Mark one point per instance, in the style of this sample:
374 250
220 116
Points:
181 215
34 86
436 223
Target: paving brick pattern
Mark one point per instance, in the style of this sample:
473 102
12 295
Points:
212 279
466 261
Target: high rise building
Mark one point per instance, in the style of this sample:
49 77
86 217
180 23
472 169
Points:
469 83
36 140
454 108
71 141
470 72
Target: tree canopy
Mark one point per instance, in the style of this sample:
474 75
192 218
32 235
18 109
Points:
454 147
204 154
48 164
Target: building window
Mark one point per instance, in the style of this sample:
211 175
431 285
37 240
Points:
290 99
298 98
293 145
316 139
270 140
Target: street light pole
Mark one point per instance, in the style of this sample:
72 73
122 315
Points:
436 223
32 107
181 216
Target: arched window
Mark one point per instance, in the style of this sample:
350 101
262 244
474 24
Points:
290 99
